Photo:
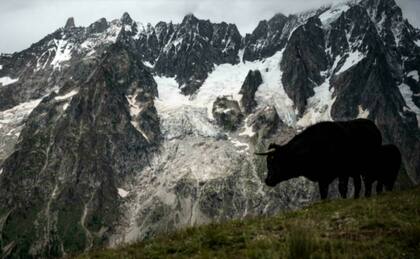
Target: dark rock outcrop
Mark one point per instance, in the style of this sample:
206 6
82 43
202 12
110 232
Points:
99 26
266 39
265 122
69 24
304 59
250 86
227 113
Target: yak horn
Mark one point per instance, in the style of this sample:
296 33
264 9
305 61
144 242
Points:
270 151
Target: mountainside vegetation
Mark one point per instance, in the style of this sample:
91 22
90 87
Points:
385 226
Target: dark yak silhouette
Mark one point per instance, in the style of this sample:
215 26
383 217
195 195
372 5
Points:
324 152
388 163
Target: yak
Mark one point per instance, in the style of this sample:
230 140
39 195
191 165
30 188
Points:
324 152
387 165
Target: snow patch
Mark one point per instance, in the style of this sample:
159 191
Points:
407 94
1 67
170 96
417 42
135 110
414 74
363 114
123 193
66 96
319 106
7 80
353 58
248 130
272 93
333 13
148 64
98 39
62 53
239 144
19 112
11 124
65 106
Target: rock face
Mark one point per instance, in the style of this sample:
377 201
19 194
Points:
303 60
69 24
189 51
99 26
252 81
74 153
266 122
227 113
119 131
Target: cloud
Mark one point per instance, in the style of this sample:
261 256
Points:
23 22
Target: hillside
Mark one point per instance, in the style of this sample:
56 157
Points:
386 226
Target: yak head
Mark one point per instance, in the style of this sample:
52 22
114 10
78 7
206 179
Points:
277 165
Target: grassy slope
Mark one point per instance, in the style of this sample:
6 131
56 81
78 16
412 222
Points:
387 226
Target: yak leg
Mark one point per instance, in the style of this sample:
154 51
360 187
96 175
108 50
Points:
323 190
379 187
357 186
342 186
368 186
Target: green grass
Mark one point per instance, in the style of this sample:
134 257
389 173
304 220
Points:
386 226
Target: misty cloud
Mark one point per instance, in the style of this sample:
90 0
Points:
23 22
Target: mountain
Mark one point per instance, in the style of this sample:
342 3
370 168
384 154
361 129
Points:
119 131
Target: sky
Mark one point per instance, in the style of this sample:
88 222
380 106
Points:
23 22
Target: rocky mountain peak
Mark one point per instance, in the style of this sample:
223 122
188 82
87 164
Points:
99 26
250 86
126 19
69 24
190 19
278 17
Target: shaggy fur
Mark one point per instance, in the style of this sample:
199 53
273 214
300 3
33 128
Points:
387 166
